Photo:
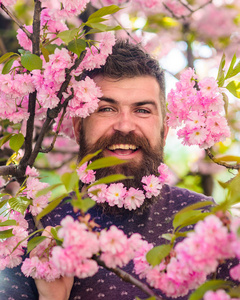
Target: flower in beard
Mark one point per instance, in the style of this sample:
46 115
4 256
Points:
115 194
134 198
86 176
101 189
152 185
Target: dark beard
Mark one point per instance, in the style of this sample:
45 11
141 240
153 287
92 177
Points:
148 165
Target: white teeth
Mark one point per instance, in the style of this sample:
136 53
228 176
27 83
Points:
122 146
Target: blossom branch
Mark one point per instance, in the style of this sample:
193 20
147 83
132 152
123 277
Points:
53 113
130 279
14 18
221 163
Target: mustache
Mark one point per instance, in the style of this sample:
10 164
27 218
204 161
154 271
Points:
117 138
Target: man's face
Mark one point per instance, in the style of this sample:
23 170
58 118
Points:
127 124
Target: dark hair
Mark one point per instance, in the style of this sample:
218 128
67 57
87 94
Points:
130 60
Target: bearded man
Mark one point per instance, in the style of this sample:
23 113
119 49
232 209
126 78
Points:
130 124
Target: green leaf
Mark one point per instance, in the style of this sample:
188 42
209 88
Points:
193 220
6 56
70 180
19 204
83 204
5 139
45 53
6 234
230 69
54 232
168 236
48 189
77 46
209 285
99 26
110 178
16 142
88 157
53 204
220 76
150 298
68 35
31 61
234 292
106 10
105 162
226 102
157 254
8 223
2 203
8 65
229 158
183 217
108 28
95 20
34 242
233 71
234 88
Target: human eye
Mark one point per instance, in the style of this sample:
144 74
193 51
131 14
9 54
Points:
143 111
106 109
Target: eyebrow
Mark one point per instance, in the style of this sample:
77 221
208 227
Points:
136 104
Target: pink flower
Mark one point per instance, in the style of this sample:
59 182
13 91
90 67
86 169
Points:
113 240
141 266
164 173
134 198
235 272
208 87
152 185
86 98
23 39
38 269
218 295
86 176
101 194
115 194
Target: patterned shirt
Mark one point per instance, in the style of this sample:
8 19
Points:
151 224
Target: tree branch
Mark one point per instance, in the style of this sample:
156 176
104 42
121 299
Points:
32 96
221 163
14 18
128 278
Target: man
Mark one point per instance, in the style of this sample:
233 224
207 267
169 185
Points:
129 124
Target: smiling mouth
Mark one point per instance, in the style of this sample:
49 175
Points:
123 149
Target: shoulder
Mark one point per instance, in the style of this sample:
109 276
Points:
180 197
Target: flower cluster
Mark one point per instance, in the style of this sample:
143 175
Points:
39 266
33 186
117 194
74 257
203 121
8 257
193 259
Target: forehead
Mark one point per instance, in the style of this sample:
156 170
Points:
130 90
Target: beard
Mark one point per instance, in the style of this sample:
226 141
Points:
151 159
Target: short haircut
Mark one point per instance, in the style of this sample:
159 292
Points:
129 60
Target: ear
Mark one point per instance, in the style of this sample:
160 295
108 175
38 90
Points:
77 123
166 129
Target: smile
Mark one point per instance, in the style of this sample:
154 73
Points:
122 147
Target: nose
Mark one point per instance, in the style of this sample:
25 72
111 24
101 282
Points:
124 123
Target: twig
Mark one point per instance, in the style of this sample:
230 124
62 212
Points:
56 168
59 124
14 18
129 278
221 163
